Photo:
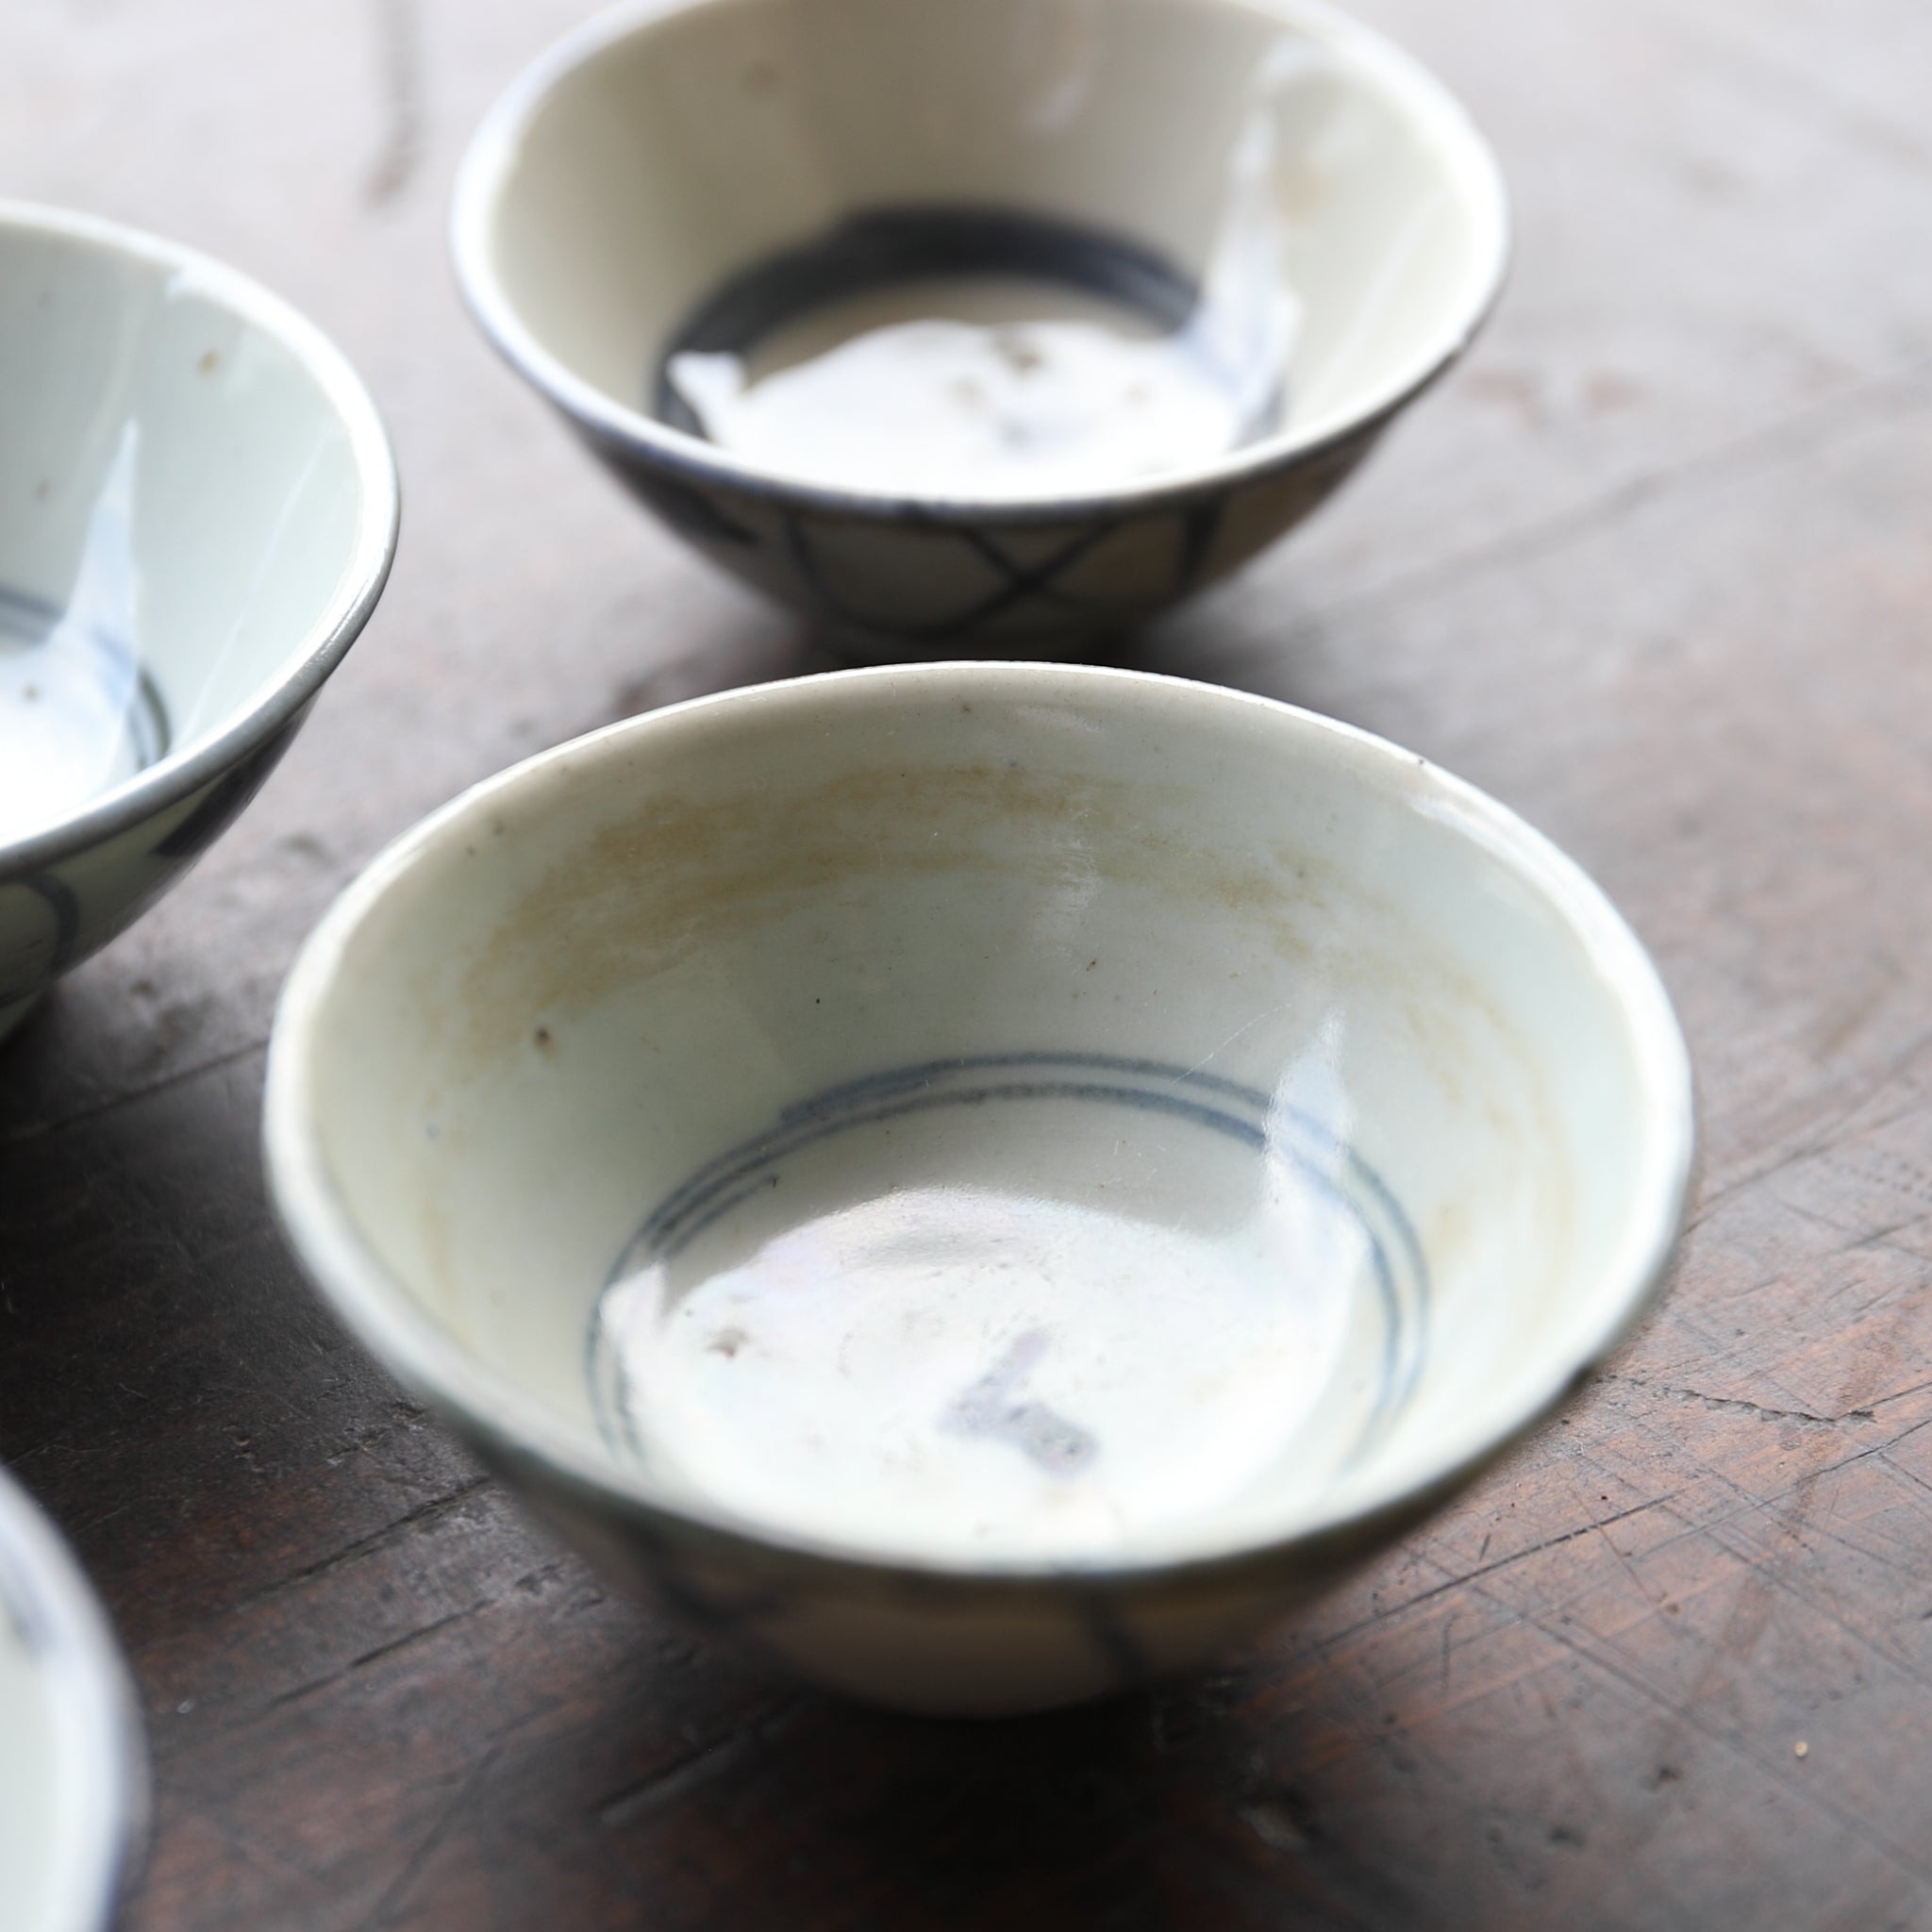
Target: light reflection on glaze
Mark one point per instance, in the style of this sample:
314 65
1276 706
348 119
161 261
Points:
994 387
972 386
938 1367
77 715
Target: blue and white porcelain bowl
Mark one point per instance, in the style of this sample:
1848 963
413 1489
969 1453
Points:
73 1768
974 329
197 515
990 1182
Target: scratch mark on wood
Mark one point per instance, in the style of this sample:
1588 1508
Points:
1737 1405
1775 1768
1790 438
398 1891
363 1546
54 1124
1805 93
1384 1612
695 1768
375 1656
399 41
1822 1136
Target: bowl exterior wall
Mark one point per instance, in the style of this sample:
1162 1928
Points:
73 1761
939 1645
897 585
55 915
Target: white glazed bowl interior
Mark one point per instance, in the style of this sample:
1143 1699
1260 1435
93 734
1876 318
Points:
545 1012
72 1784
185 465
666 146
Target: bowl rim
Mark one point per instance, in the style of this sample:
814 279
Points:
62 1622
491 156
335 627
378 1309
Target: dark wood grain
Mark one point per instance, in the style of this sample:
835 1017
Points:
1655 568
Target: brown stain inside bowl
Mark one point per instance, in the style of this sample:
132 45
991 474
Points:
648 890
643 891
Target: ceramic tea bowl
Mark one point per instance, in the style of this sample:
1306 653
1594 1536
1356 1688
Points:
73 1771
197 514
1118 292
990 1182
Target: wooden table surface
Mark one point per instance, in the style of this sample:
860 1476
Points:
1655 568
